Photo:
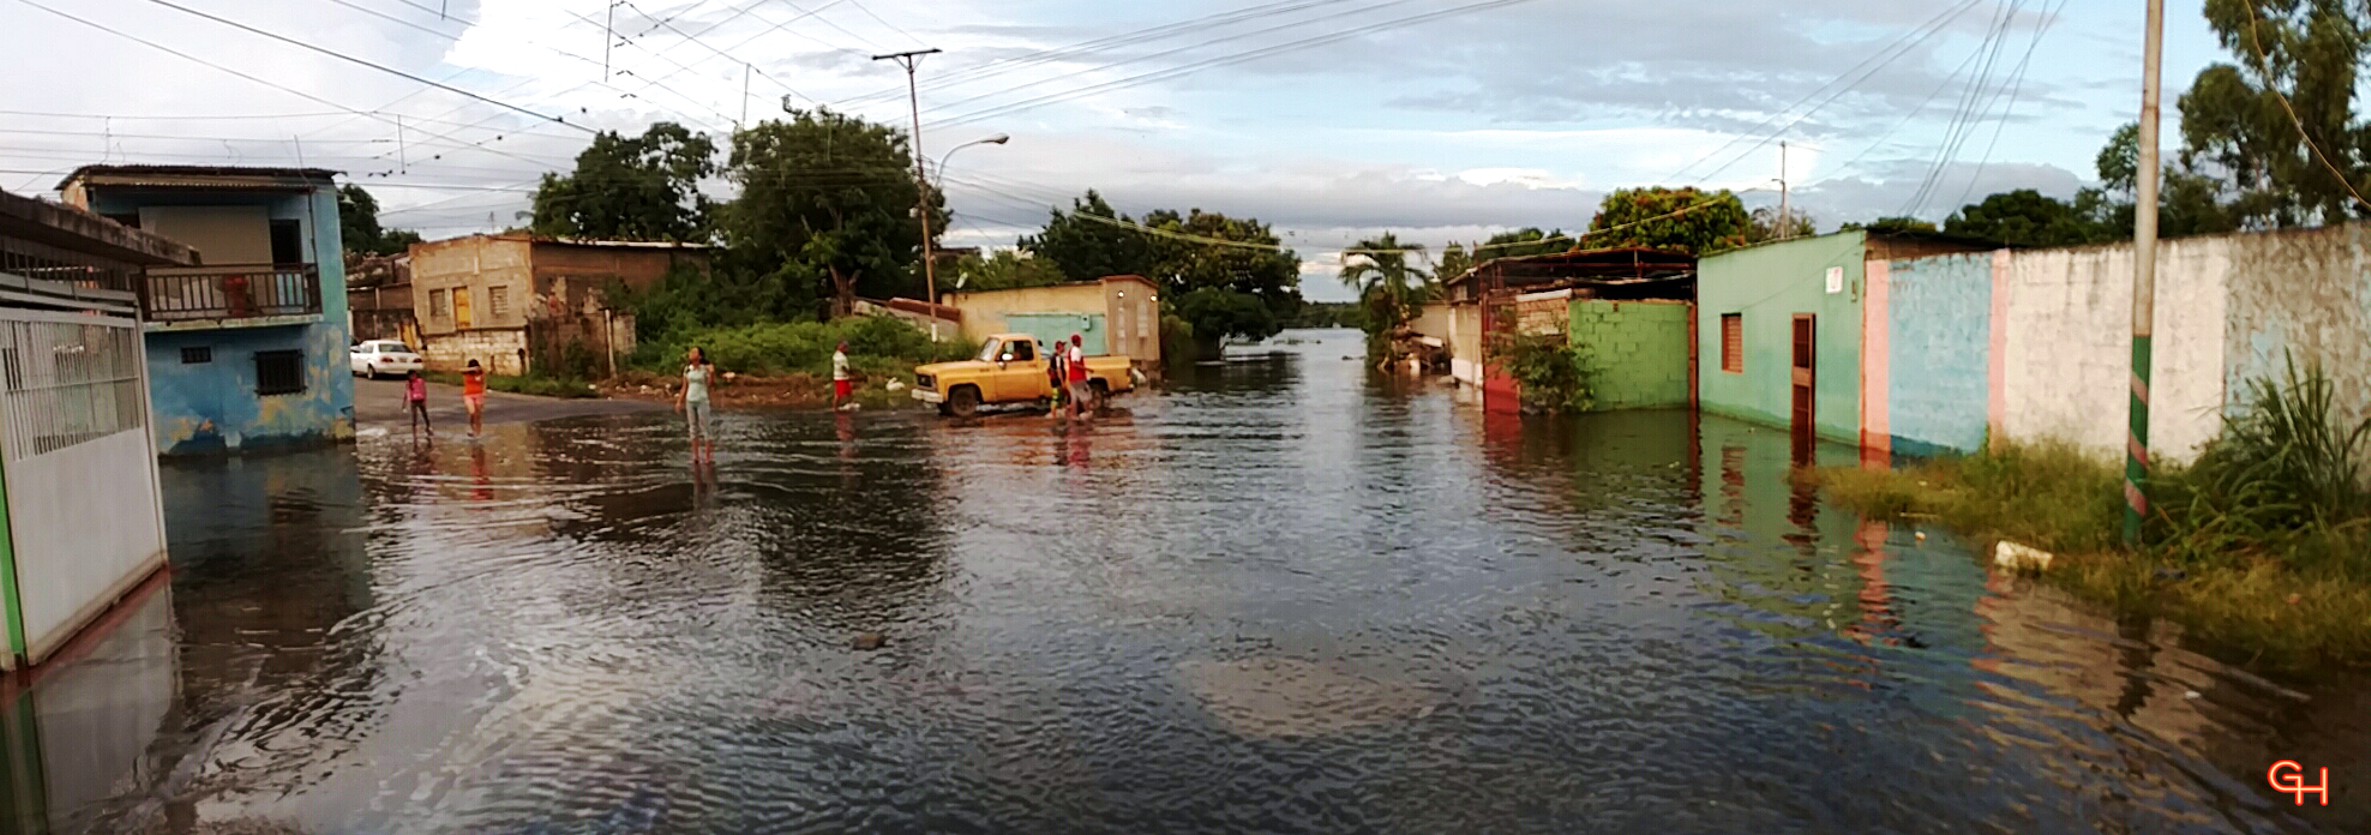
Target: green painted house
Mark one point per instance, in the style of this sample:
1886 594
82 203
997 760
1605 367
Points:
1779 330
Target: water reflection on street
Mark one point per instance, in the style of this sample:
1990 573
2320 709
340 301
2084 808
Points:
1281 595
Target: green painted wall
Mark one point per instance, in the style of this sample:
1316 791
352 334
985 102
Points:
1768 285
1057 327
1638 352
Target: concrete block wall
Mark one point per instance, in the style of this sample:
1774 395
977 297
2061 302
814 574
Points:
1927 381
2305 295
1638 351
2067 349
497 350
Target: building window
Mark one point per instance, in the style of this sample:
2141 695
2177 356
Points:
498 301
1733 343
279 372
288 242
440 304
197 355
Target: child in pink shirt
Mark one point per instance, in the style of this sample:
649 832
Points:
415 394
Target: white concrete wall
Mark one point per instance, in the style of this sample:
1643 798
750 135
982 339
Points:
2069 346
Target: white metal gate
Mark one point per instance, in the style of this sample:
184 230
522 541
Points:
85 521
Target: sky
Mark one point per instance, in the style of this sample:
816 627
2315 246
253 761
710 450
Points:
1331 120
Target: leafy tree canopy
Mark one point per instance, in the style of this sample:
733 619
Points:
643 188
1084 248
1005 270
826 204
358 225
1390 290
1675 219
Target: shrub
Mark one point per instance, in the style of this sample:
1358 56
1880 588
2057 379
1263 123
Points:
1554 375
876 344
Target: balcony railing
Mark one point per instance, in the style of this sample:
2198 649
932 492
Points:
230 291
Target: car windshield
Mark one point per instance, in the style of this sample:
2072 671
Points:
990 351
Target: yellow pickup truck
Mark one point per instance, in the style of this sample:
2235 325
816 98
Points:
1010 369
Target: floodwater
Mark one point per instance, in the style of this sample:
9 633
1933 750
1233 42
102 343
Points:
1281 596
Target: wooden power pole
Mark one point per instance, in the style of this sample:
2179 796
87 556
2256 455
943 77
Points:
930 278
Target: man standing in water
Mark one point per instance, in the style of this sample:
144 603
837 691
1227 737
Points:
693 403
1074 358
843 386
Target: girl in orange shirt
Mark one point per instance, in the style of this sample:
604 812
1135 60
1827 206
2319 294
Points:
473 394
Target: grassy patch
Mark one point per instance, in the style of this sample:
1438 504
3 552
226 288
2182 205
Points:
2262 549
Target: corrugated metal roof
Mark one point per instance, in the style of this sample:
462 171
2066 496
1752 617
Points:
220 177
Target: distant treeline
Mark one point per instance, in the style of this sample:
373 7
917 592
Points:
1328 315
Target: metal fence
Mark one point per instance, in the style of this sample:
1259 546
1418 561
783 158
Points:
30 268
66 379
232 291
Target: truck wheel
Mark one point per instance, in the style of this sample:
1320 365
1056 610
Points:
963 402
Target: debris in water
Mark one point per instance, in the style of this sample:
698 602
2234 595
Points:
869 641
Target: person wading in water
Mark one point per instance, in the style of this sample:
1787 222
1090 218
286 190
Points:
473 395
693 403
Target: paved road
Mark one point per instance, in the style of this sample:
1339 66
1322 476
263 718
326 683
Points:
380 403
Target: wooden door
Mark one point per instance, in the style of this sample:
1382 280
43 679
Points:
1805 386
461 308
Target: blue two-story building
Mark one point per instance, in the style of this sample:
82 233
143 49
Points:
247 350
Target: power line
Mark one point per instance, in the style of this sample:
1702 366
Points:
1250 55
2017 88
1089 47
1898 48
1972 105
248 76
1177 50
353 60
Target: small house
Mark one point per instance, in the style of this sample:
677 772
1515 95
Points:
246 347
1116 315
513 302
1627 309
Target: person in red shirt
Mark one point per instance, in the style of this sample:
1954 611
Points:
473 395
415 398
1074 360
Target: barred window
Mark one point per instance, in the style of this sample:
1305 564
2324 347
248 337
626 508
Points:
197 355
1733 343
498 301
440 304
279 372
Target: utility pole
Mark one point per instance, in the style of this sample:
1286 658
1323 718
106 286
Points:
930 271
2144 280
744 94
608 37
1784 228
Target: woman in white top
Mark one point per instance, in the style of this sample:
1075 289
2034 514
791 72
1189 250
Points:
693 402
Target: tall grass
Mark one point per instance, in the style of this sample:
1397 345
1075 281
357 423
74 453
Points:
2262 545
879 346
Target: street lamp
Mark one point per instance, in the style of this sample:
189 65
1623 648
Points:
929 259
998 139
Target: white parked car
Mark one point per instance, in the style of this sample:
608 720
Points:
374 357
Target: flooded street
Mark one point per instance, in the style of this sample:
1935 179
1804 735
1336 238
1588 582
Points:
1281 596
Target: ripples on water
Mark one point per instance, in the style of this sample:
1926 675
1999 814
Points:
1280 596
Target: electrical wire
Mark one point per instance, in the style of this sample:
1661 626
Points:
2016 89
1889 53
1971 107
1249 55
360 62
2264 65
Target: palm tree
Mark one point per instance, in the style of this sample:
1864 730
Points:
1387 286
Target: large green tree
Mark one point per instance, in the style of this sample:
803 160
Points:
1683 220
1241 257
1093 240
1765 225
2025 217
2276 169
639 188
826 204
1390 289
358 225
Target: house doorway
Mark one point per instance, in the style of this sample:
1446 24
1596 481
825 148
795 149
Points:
1805 385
